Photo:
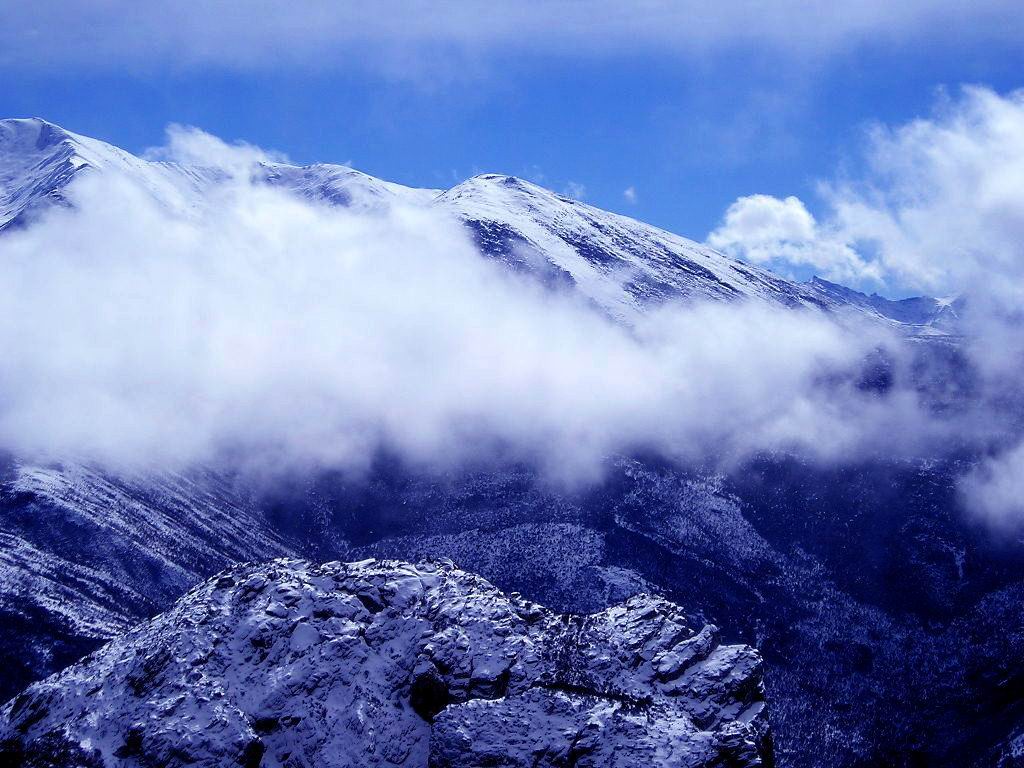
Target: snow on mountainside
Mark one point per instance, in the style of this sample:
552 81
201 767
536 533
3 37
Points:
620 264
387 663
341 185
84 555
38 160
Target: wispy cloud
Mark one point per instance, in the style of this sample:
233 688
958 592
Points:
575 190
629 194
403 36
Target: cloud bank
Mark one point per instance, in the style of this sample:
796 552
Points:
261 328
255 329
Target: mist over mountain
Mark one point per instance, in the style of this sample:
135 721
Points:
321 315
214 356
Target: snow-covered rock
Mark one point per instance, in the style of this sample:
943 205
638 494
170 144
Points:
388 663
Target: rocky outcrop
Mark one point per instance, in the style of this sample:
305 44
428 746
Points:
386 663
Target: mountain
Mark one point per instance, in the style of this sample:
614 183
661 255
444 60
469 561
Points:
928 316
621 265
341 185
387 663
888 620
886 617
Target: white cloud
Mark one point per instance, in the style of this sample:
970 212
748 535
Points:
995 489
405 35
762 219
191 146
937 207
783 233
261 327
941 204
629 194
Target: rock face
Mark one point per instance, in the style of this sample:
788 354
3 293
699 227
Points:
387 663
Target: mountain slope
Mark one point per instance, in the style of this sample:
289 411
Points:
617 262
341 185
38 160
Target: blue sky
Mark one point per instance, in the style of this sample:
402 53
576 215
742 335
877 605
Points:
691 120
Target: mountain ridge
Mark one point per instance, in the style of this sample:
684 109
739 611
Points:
621 264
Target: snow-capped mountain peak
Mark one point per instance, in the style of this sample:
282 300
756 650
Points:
621 264
37 161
